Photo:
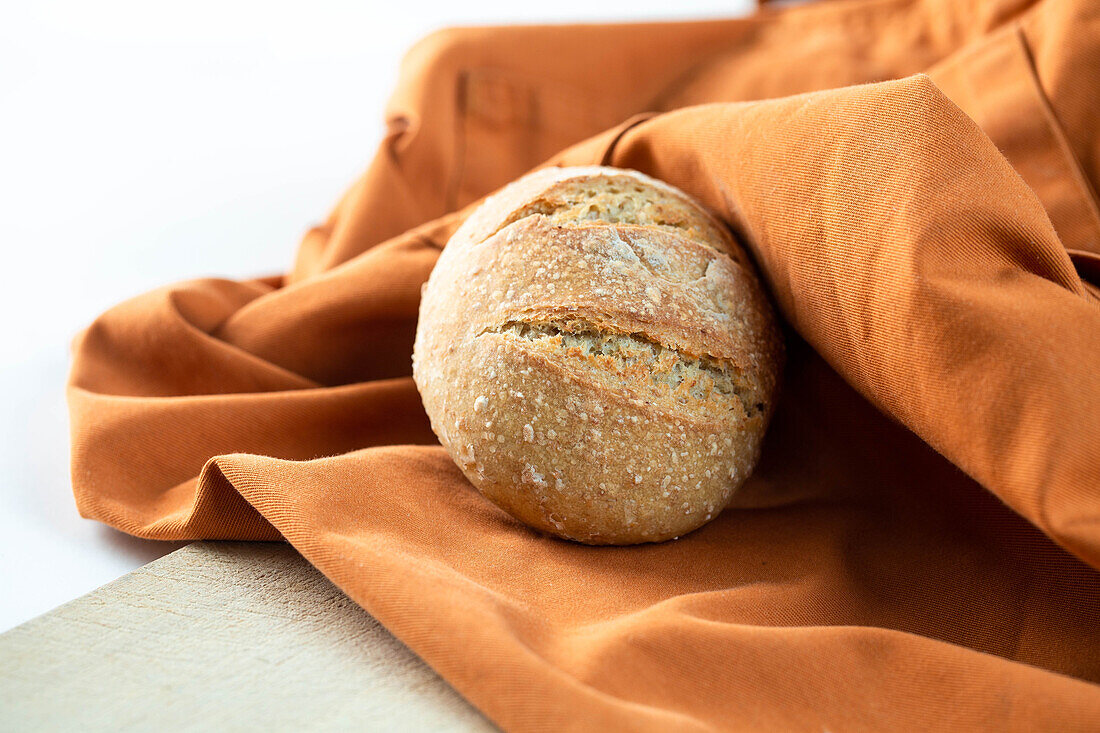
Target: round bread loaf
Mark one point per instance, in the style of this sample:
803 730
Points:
597 356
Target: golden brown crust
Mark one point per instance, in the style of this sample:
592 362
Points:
597 357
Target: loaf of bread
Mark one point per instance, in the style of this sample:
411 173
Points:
597 356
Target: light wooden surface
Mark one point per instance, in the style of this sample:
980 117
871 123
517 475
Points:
220 636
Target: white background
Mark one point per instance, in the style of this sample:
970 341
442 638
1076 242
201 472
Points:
147 142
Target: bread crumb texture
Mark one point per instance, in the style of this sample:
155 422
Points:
597 356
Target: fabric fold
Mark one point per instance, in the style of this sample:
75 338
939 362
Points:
915 306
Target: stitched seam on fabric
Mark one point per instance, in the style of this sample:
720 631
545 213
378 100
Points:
1084 185
458 165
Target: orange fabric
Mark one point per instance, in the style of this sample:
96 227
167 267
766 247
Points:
919 546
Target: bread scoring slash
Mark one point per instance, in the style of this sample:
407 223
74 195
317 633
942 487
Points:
597 356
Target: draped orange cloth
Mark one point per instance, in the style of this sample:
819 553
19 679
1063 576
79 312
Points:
918 548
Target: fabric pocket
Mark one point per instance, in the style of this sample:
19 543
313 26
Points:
510 123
